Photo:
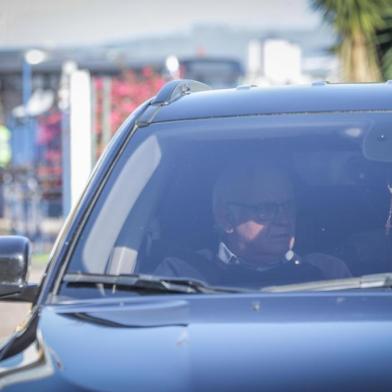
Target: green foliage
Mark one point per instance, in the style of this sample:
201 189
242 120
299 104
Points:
356 23
387 65
384 46
349 17
39 259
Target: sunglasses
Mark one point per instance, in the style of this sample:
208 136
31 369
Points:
262 212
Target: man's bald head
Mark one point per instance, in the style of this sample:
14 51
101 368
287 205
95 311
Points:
250 182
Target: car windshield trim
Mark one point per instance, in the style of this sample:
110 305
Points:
362 282
152 283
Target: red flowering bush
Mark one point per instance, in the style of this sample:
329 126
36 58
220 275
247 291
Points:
49 159
115 98
127 92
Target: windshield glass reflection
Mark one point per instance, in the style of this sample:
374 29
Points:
272 200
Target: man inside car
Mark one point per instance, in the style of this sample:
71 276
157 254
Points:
254 209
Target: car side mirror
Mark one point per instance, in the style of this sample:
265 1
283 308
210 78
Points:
15 254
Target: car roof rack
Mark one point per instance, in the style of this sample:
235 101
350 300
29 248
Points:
176 89
320 83
170 92
246 86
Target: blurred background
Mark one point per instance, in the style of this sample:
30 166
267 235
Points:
72 71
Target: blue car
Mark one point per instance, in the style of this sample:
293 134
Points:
228 240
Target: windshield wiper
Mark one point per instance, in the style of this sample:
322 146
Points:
148 283
362 282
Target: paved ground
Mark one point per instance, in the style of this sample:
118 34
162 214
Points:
12 313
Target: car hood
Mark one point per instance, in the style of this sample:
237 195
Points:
285 342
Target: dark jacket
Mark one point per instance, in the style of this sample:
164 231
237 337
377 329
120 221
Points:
206 266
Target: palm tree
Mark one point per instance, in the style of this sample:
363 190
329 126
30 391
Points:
384 46
356 23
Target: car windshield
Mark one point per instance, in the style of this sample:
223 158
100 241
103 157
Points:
246 202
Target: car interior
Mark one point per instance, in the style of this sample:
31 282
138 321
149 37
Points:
342 204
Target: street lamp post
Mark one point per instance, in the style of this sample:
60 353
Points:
30 58
26 83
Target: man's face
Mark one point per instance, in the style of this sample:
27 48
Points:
262 215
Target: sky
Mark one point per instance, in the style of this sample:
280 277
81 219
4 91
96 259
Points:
84 22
